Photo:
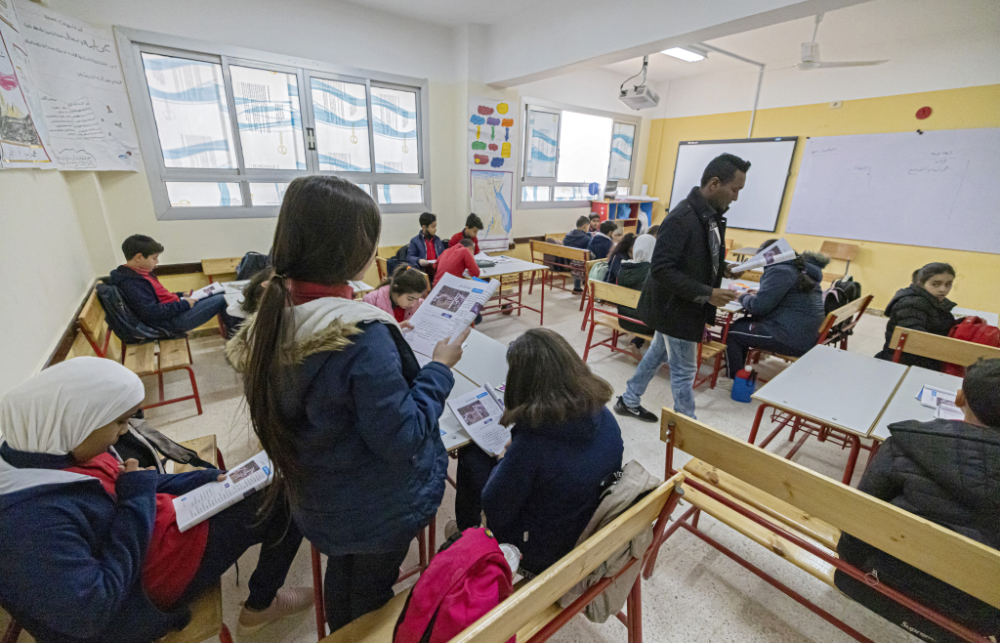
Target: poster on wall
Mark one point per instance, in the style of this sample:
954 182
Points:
79 81
492 142
22 129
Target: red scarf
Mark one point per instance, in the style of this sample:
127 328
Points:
164 295
305 291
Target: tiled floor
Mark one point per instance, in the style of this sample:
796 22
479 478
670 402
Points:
696 594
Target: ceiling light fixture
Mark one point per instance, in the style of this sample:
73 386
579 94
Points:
689 54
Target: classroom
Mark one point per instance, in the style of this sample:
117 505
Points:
691 334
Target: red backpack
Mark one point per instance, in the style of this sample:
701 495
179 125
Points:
975 330
465 580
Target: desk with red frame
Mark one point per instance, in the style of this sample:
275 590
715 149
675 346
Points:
505 267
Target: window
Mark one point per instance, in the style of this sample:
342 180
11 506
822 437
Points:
567 149
224 130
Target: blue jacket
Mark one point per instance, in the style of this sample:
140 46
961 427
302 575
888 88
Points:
418 249
600 246
546 488
614 265
368 439
141 297
71 555
577 239
792 317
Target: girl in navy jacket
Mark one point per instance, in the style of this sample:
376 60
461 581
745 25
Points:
564 443
338 400
90 551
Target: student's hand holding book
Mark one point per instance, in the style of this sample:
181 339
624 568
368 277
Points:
449 353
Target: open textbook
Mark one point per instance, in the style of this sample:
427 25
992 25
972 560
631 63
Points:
479 411
942 401
450 308
208 291
775 253
208 500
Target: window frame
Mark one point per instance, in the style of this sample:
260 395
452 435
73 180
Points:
132 43
523 180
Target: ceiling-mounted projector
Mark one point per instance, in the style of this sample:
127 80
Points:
640 96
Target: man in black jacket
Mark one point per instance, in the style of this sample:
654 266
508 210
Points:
944 471
682 291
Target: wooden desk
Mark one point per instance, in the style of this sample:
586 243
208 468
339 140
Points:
904 404
224 266
832 394
511 266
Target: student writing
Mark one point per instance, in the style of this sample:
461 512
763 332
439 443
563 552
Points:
401 294
473 224
924 306
456 260
150 301
91 551
426 247
944 471
343 409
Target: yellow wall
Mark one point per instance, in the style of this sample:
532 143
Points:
882 268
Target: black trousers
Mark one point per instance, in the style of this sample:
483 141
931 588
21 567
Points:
745 334
474 468
359 583
237 529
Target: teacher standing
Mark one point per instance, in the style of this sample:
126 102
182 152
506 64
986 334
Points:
682 291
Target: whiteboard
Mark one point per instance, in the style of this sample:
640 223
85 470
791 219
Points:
770 163
939 189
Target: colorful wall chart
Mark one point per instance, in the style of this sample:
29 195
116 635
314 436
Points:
492 134
492 159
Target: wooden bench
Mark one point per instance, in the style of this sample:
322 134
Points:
799 515
218 267
939 347
845 252
539 250
151 358
533 613
588 266
612 294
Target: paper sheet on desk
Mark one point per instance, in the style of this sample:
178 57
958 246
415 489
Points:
479 414
930 395
450 308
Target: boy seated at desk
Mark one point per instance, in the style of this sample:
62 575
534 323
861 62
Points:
426 247
150 301
473 224
456 260
580 239
601 242
944 471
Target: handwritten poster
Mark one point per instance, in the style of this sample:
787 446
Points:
22 128
79 82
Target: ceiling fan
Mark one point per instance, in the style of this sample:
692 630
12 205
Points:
810 55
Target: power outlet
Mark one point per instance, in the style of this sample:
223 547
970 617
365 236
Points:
836 104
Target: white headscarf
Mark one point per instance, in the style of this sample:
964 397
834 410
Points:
56 410
642 249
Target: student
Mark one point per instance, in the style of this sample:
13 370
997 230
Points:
632 274
426 246
784 314
473 224
621 252
923 305
944 471
617 235
579 238
595 223
252 293
564 443
401 294
456 260
653 230
343 409
91 551
150 301
600 243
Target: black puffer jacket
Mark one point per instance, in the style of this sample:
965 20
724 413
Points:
632 275
948 473
913 307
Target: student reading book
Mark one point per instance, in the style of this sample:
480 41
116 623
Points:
401 294
924 306
473 224
456 260
426 247
91 551
150 301
343 409
564 443
944 471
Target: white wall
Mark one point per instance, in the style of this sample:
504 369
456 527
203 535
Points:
45 266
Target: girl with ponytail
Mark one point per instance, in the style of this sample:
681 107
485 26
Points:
338 400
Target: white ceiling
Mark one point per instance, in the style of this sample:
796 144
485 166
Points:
457 12
877 30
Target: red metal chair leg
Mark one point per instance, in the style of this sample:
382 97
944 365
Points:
756 423
852 459
317 569
194 388
637 607
12 633
541 309
590 338
224 635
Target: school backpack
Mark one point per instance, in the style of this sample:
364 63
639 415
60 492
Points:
467 578
599 272
123 322
152 449
250 265
840 293
394 262
975 330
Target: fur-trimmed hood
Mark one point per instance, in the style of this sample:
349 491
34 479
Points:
321 325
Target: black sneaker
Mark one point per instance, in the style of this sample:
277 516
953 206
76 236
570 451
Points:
638 412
